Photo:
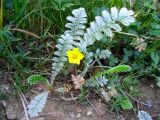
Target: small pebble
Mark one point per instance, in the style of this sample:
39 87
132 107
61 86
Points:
152 86
79 110
39 118
11 112
72 115
78 115
89 113
149 103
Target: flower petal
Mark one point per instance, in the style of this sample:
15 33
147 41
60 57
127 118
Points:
69 53
72 53
81 56
76 50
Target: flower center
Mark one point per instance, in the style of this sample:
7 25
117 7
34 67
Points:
74 56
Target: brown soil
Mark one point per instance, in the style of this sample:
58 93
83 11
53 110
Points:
151 96
58 109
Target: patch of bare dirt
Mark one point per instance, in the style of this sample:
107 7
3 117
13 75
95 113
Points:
150 98
55 109
58 109
65 110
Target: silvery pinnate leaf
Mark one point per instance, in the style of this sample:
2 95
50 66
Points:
124 12
116 27
57 53
142 115
78 38
68 47
56 59
79 32
76 25
88 39
65 43
127 21
79 12
37 104
107 23
89 32
61 41
91 83
99 21
70 25
93 27
125 16
70 18
89 57
81 26
98 35
114 13
59 46
108 32
63 58
102 80
103 54
106 16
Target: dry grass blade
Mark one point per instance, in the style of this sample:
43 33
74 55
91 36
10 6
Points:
24 106
27 32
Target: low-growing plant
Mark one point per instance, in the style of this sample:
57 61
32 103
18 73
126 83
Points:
75 47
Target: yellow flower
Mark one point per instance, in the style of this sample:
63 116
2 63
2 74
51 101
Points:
75 56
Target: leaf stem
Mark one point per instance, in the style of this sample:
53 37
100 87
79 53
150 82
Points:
133 35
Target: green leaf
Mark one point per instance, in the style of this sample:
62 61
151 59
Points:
34 79
155 58
66 5
119 68
126 104
3 96
158 81
154 32
155 25
149 4
97 10
4 32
